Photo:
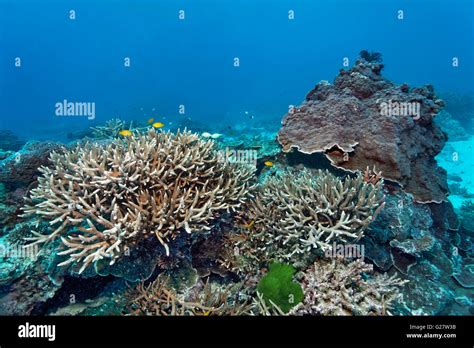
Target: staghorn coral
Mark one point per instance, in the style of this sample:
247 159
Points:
159 299
214 299
153 299
261 307
335 287
101 200
111 129
351 124
298 212
242 252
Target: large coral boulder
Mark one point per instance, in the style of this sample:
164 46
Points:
365 120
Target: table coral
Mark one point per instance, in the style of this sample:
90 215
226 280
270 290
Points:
102 199
346 122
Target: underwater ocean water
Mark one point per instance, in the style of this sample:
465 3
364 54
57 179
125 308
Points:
245 157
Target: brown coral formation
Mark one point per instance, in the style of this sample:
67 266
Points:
159 299
338 287
21 169
298 212
364 120
102 199
28 287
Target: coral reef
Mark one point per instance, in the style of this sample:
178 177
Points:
18 173
422 242
204 299
298 212
159 223
9 141
110 130
21 168
260 306
365 120
5 154
467 216
403 225
338 287
25 282
104 199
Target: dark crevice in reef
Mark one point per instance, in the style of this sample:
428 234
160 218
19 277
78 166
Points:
313 161
81 288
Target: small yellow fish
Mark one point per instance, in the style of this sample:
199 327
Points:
208 313
268 163
158 125
150 121
125 133
250 224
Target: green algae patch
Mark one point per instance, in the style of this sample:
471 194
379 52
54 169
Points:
278 287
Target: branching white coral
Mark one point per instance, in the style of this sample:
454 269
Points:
110 130
101 199
296 212
260 307
338 287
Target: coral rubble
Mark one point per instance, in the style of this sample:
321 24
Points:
346 121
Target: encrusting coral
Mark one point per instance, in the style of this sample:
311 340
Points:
103 199
297 212
338 287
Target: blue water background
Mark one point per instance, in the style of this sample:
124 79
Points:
190 62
